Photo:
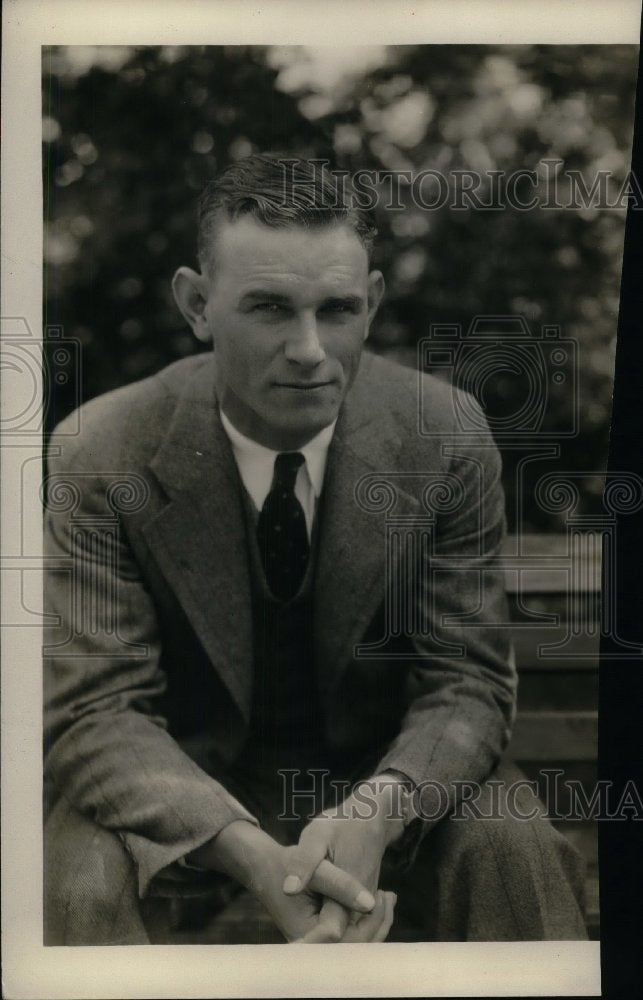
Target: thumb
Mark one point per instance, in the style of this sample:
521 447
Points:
301 862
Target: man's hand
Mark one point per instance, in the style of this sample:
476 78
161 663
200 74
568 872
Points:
354 837
373 926
258 862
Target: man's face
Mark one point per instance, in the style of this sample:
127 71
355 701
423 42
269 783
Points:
288 311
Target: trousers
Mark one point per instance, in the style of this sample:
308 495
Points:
502 878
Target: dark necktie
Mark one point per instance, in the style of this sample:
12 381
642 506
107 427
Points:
281 532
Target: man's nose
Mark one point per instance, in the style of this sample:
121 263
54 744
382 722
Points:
303 346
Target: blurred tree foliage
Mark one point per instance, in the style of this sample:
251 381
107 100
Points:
131 135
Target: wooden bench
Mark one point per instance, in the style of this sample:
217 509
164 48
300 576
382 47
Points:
556 724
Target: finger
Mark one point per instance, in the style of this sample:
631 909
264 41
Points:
368 925
344 888
333 921
376 925
301 862
387 921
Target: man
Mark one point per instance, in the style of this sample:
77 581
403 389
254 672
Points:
240 644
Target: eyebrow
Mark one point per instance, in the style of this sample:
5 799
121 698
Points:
263 295
355 301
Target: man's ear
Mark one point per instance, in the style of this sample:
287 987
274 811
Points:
190 293
375 291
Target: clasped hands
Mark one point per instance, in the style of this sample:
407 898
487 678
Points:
339 855
325 888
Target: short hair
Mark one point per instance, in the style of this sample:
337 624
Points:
279 191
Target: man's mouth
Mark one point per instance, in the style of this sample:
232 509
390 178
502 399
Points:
302 385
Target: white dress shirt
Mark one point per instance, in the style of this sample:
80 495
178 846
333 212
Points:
256 466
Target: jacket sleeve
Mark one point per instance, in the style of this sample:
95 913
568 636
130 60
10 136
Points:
107 749
461 692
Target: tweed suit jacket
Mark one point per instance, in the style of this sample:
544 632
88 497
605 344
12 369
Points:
148 594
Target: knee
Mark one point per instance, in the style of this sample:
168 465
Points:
515 834
473 839
508 825
90 882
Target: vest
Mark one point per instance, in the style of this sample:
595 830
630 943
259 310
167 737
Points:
285 725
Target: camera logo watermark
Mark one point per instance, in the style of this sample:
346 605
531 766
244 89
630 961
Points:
417 509
32 372
539 364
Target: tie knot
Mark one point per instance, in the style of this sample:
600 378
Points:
287 465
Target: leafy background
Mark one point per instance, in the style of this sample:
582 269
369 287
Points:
131 135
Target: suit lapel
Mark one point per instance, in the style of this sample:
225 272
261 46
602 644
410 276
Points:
199 537
351 576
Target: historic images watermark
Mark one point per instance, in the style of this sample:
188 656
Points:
553 798
93 564
541 361
543 365
34 372
549 186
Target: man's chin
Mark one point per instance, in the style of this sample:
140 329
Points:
300 427
309 427
306 408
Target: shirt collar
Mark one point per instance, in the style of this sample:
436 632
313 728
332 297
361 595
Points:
261 460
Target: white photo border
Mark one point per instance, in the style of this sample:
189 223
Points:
29 969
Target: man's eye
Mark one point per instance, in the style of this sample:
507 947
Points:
267 307
339 307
